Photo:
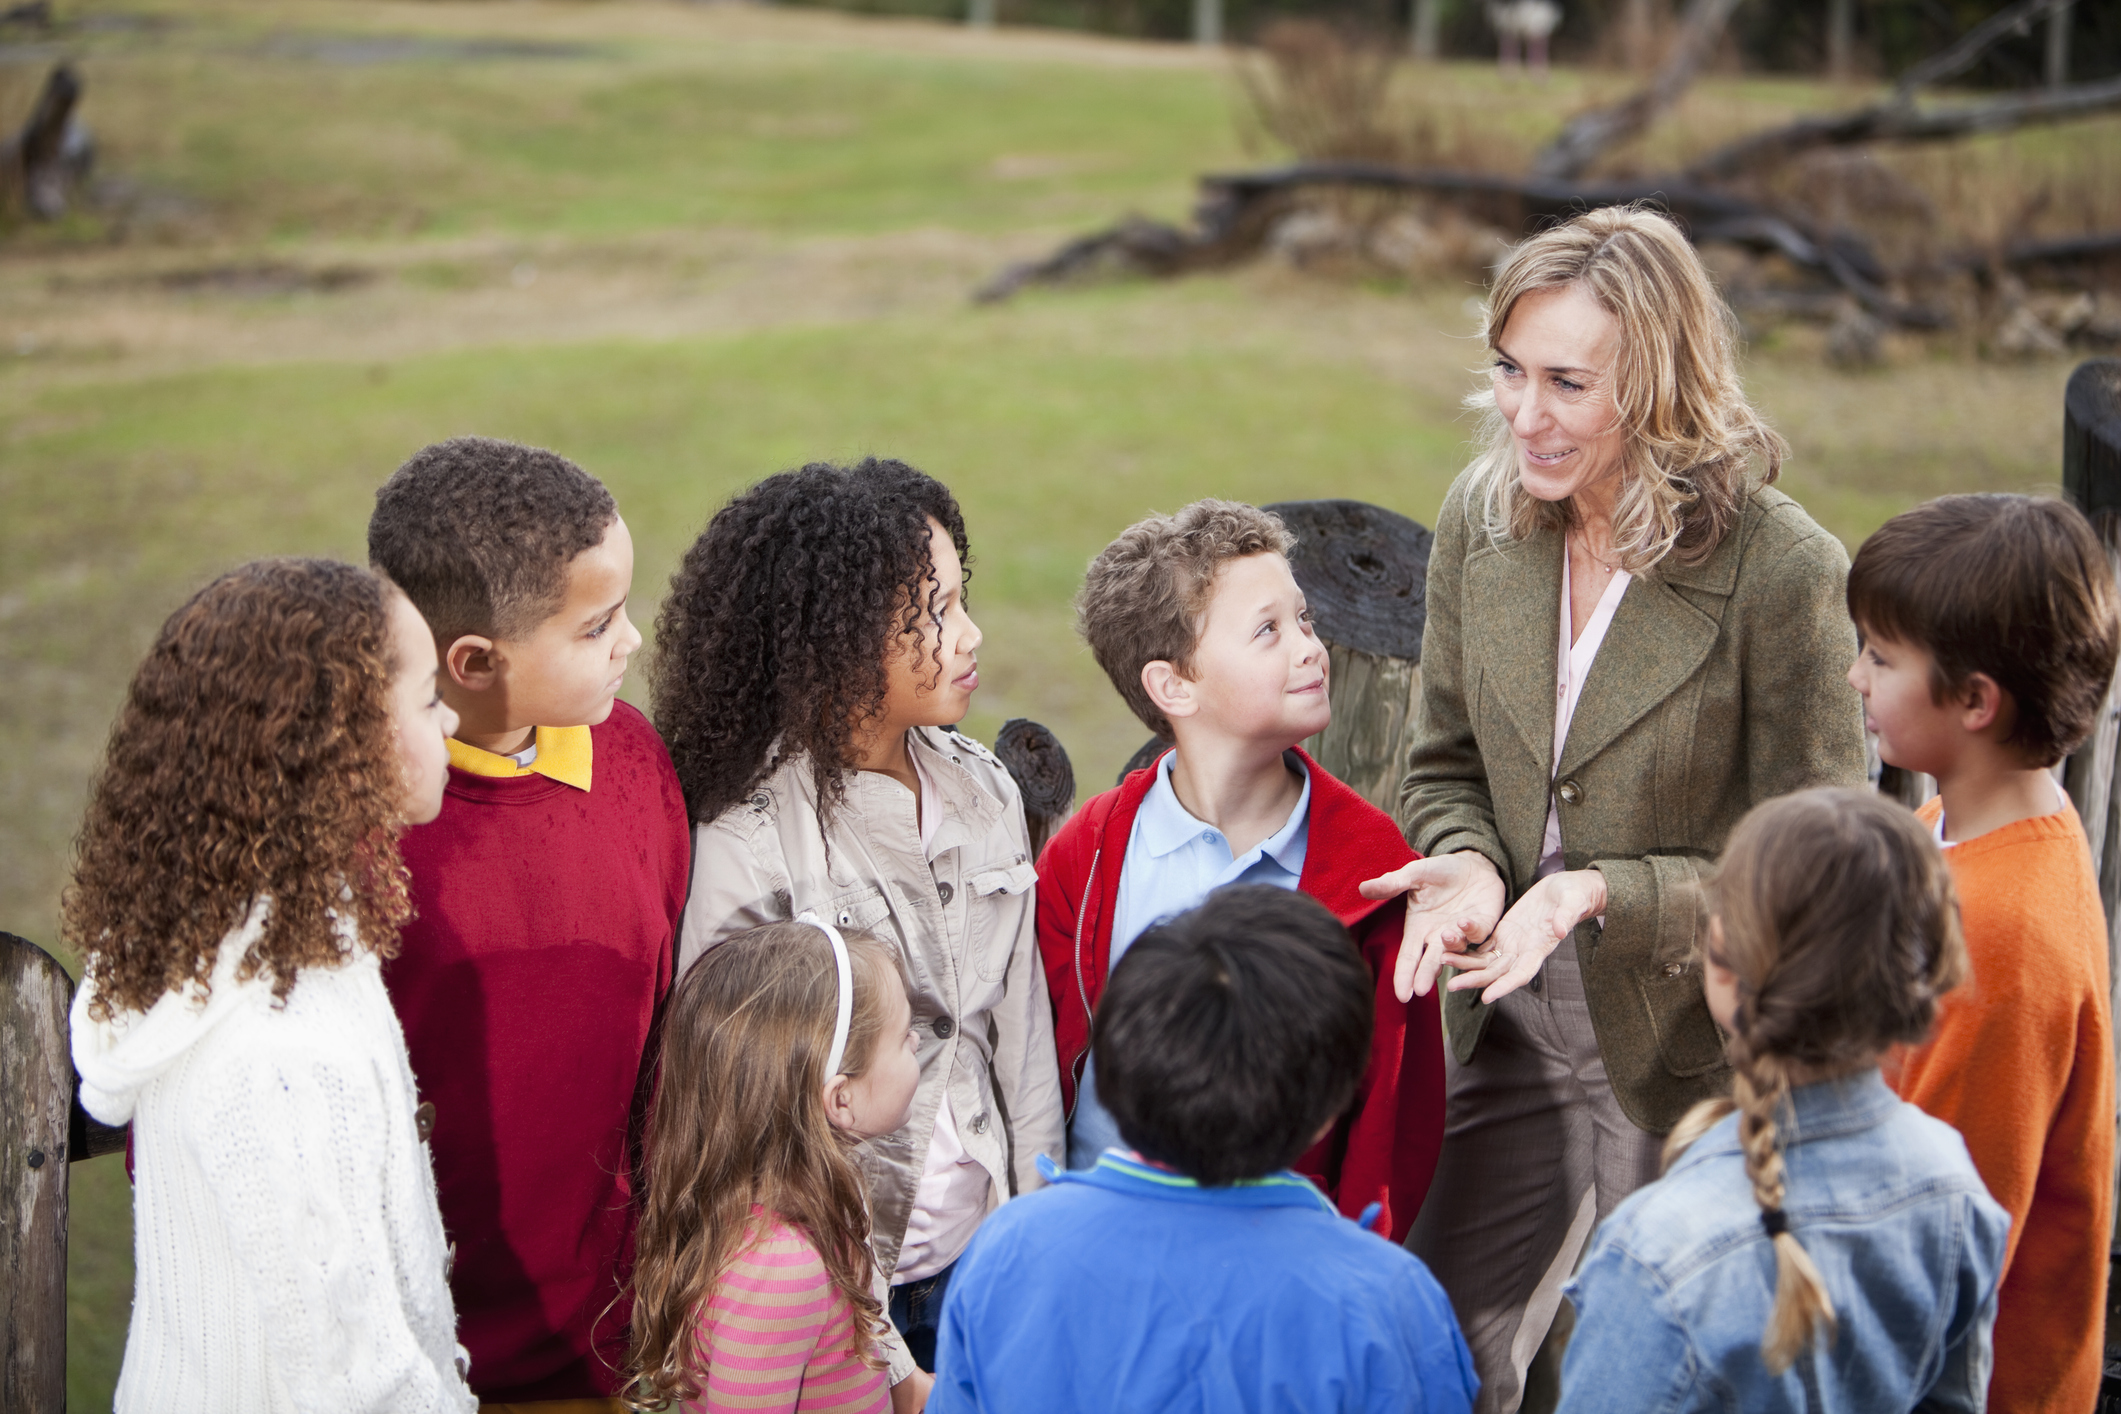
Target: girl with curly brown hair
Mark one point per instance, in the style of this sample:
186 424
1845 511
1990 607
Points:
236 888
1815 1243
753 1283
811 660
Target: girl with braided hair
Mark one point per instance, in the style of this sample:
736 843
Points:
1815 1243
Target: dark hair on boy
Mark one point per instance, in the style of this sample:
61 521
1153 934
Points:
782 620
479 533
252 759
1145 598
2016 587
1230 1035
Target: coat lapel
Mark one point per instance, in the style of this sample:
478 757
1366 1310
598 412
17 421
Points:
1513 622
1657 640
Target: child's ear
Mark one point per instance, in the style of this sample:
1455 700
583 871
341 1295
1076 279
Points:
470 663
839 1104
1983 704
1169 689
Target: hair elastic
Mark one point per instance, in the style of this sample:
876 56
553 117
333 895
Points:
1774 1222
846 971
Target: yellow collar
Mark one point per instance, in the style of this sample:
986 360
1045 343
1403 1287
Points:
563 755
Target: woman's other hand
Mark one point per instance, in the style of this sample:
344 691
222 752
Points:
1453 903
1529 933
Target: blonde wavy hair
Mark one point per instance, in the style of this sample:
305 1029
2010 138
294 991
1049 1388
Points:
1692 438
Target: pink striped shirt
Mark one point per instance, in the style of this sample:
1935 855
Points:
778 1335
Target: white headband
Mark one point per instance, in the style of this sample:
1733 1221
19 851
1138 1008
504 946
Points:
846 971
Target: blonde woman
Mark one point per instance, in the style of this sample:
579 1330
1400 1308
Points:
1632 639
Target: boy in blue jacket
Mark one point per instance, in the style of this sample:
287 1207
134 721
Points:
1196 1272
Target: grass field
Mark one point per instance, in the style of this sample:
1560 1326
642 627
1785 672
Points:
690 245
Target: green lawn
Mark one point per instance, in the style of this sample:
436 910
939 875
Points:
753 231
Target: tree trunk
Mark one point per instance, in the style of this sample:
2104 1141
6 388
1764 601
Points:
1208 22
1840 38
1373 703
1422 29
37 1080
2058 44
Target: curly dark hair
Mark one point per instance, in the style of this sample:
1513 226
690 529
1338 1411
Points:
254 757
479 533
782 619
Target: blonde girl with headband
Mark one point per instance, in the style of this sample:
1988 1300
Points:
1816 1243
753 1286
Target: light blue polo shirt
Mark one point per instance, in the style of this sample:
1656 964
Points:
1173 862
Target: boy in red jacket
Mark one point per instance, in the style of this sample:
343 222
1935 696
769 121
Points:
1202 628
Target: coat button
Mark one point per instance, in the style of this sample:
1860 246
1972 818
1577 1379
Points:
423 1119
1673 969
947 893
943 1028
1570 792
979 1123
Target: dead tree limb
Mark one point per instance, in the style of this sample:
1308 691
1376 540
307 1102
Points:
1887 122
1588 136
50 153
2017 19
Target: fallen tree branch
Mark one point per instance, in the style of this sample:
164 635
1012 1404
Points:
1890 122
1588 136
2016 20
51 151
1236 209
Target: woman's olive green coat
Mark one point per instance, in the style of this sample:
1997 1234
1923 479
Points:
1719 685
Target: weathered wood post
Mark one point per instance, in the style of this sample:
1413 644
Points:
1039 765
2091 478
1364 571
36 1100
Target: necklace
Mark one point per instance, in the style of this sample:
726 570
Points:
1585 542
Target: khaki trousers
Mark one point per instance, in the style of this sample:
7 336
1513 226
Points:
1536 1152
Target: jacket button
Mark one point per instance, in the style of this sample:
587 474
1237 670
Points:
1673 969
761 800
943 1028
423 1120
1571 793
947 893
979 1123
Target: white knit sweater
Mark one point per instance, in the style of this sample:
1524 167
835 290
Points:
288 1252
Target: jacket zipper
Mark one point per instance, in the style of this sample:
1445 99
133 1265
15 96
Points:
1082 986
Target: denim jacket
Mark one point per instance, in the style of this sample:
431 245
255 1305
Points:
1674 1295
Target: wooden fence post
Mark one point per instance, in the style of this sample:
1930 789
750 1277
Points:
1039 765
1364 572
2091 479
37 1083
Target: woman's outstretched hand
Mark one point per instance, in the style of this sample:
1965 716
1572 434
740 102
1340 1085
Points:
1529 933
1453 903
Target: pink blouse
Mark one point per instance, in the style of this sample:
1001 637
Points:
778 1335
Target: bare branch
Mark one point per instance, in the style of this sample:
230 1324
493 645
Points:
1589 136
2018 19
1890 122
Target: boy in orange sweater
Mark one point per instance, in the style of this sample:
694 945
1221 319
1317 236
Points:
1989 629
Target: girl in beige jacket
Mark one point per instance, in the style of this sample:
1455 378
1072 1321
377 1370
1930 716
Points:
813 653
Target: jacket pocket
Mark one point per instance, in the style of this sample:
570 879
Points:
1687 1039
1001 895
861 909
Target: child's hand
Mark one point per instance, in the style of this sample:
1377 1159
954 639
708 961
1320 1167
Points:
1529 933
910 1395
1453 904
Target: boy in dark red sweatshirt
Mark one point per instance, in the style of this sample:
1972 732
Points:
1202 628
547 896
